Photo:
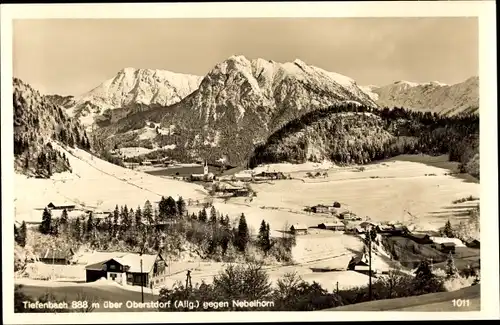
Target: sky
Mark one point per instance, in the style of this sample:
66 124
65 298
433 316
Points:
72 56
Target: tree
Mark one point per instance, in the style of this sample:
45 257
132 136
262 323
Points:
148 212
202 216
263 237
89 229
243 235
46 225
63 221
448 230
243 282
172 211
23 234
162 208
77 229
425 281
181 206
213 215
126 220
116 217
138 219
451 269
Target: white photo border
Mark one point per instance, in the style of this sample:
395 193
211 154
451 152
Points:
484 10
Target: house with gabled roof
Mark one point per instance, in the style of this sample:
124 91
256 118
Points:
128 269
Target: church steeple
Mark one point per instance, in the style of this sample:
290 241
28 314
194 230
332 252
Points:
205 168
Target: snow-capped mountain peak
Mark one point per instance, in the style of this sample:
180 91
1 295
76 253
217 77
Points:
431 96
133 86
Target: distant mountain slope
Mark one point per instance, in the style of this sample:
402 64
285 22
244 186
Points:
238 104
37 122
131 90
95 183
433 96
351 134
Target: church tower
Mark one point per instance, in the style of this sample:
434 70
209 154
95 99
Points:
205 169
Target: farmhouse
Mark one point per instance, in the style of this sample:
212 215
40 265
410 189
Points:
242 177
320 209
298 229
335 226
473 243
128 269
61 206
420 238
358 263
447 247
60 256
392 230
271 175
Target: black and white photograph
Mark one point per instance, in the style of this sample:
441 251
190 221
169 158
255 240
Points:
248 164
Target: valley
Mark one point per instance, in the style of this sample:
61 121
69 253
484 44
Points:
282 165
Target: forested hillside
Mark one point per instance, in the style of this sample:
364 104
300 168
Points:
37 121
353 134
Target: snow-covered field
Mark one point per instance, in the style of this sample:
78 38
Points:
95 183
383 191
389 191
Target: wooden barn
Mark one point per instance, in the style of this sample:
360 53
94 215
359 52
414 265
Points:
473 243
298 229
447 247
420 238
61 206
60 256
335 226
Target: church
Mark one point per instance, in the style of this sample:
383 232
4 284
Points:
205 177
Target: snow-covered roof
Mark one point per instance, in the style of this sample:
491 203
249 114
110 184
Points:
442 240
298 226
133 261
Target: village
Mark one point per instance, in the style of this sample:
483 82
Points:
330 228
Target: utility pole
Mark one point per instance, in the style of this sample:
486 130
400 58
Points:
142 282
369 264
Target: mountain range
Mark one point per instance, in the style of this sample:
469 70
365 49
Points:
432 96
237 105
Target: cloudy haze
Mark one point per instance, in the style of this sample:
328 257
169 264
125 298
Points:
69 57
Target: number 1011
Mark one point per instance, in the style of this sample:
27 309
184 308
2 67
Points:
461 302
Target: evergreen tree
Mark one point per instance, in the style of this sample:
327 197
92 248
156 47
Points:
156 216
181 206
226 220
23 234
425 280
261 237
162 207
148 212
63 221
172 211
451 269
243 235
138 219
202 215
448 230
77 229
194 216
126 221
109 225
46 225
16 234
89 229
213 215
116 218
